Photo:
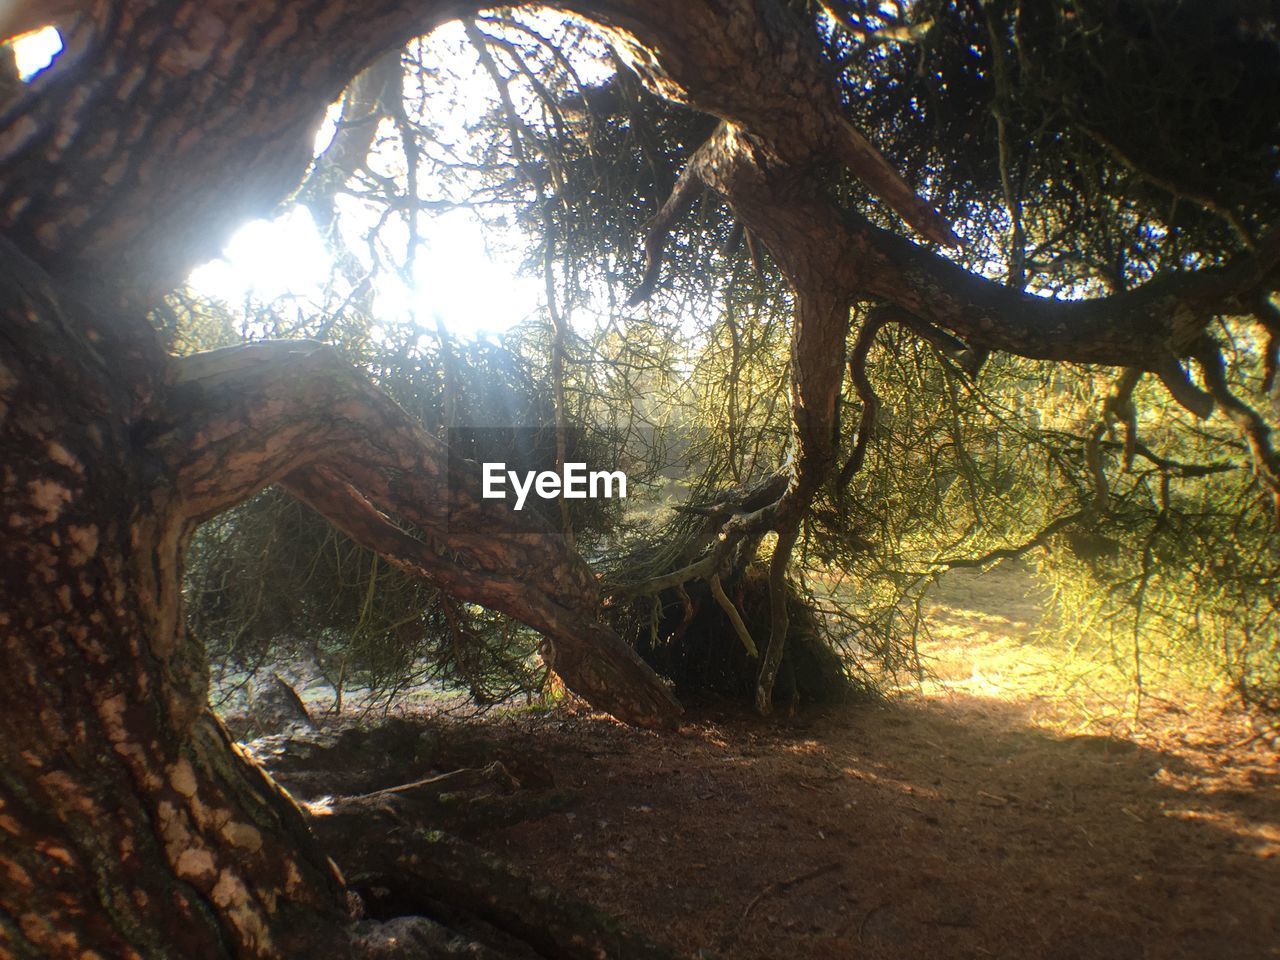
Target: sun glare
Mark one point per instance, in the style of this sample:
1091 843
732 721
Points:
460 283
34 51
459 280
266 260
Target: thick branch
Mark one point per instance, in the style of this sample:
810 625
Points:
1145 328
589 657
686 190
278 412
735 618
110 170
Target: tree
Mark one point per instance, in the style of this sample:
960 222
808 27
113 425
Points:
131 824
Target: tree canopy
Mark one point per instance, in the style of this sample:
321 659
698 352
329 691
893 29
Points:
946 282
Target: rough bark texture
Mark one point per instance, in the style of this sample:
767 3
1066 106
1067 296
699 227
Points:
129 825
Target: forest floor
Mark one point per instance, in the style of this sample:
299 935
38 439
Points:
1009 807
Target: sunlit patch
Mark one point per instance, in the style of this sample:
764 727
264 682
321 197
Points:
458 282
328 129
268 259
1256 837
34 51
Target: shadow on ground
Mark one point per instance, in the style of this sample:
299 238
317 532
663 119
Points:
941 828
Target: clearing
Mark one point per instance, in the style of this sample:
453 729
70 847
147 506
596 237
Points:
1010 807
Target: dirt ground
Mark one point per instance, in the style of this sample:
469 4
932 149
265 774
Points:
998 811
964 821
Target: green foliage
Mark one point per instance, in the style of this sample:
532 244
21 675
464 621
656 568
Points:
1079 147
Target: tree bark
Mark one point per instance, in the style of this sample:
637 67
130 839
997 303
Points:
129 824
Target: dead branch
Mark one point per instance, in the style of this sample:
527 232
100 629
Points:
477 890
735 618
1255 430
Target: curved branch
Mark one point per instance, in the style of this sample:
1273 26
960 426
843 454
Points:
1180 387
735 618
659 228
1256 431
875 322
142 212
246 417
819 245
1268 316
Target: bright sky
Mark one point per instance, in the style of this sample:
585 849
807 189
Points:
457 280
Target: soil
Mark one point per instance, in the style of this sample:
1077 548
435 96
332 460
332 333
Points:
989 813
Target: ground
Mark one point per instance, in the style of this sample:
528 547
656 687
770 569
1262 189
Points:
996 811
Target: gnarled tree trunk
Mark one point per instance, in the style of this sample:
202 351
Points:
129 824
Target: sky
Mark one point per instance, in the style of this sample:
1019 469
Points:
458 279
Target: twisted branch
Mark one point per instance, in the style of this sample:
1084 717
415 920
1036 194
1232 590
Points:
298 415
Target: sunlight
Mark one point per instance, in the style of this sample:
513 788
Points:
460 283
266 260
34 51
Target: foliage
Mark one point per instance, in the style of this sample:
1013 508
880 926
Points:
1080 148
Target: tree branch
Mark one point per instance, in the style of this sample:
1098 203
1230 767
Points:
1256 431
658 229
250 416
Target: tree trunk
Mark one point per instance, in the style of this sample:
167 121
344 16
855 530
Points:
129 825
